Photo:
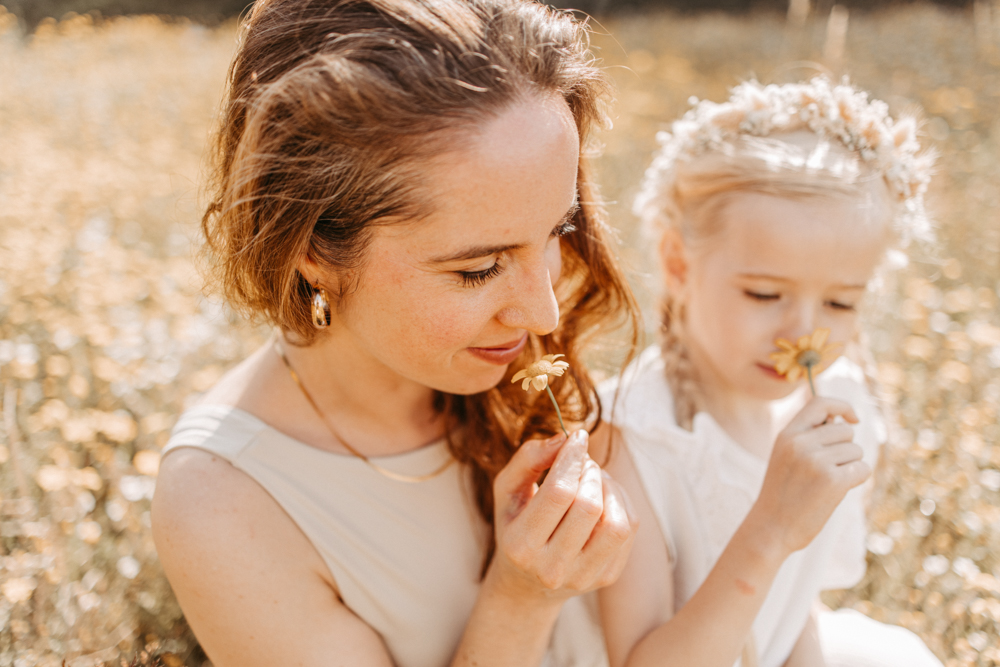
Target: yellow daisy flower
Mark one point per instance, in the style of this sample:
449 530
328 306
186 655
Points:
537 374
807 357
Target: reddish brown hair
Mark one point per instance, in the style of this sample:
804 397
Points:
332 106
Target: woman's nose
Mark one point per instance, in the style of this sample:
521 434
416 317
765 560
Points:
532 303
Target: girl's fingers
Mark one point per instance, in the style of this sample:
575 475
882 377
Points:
821 410
577 525
515 484
831 434
549 505
841 453
854 473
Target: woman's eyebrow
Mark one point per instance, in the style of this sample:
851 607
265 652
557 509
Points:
476 252
480 251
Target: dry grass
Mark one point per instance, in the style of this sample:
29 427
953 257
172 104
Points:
104 336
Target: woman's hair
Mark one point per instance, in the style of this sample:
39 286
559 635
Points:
797 141
332 107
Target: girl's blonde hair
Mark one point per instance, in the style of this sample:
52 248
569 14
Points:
331 109
794 141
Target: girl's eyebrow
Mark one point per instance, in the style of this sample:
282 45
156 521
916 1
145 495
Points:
781 279
480 251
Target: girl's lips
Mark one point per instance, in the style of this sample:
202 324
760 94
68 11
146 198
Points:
769 370
502 354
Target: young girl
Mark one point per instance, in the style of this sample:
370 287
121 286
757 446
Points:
773 211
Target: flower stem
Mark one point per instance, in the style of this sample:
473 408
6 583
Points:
558 412
809 374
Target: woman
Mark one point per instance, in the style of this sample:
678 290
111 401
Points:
400 190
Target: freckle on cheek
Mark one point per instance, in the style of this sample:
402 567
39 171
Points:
745 588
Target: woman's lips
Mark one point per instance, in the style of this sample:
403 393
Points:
500 355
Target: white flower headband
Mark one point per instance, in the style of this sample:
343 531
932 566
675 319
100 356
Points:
839 112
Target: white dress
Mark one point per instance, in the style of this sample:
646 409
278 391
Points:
406 557
701 484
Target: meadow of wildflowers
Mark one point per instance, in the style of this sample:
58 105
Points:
105 336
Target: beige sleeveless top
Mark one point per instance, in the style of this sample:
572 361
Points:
406 557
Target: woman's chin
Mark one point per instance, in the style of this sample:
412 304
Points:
472 383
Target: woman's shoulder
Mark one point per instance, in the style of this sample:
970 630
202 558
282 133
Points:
199 465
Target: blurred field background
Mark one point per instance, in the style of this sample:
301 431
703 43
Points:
104 336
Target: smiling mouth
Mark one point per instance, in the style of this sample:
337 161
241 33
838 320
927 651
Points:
500 355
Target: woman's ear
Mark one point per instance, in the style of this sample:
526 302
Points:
311 271
673 258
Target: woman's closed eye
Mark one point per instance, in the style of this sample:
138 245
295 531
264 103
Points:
565 228
481 277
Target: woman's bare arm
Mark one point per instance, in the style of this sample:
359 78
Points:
252 586
257 593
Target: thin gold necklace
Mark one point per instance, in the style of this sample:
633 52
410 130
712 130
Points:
410 479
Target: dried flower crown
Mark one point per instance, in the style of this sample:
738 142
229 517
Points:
835 111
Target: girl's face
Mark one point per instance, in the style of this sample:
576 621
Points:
447 301
778 268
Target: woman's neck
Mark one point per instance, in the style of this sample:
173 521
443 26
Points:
359 400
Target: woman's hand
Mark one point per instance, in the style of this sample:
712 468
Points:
567 536
813 465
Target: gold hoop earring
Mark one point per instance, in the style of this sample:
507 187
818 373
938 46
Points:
320 308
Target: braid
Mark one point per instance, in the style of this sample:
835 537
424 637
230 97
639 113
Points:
677 365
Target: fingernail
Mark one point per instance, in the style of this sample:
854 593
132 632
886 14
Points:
558 437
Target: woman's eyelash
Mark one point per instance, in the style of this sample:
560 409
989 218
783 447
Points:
479 278
761 297
564 229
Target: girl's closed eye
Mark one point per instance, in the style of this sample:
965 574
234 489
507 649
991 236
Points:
762 296
840 305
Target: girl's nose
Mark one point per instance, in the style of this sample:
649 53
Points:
532 303
802 320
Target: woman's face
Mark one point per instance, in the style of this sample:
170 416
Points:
778 268
448 301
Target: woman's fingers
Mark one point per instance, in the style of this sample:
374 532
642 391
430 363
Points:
611 541
514 486
574 531
583 515
558 492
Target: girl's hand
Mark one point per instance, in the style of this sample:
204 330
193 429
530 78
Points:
813 465
570 535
